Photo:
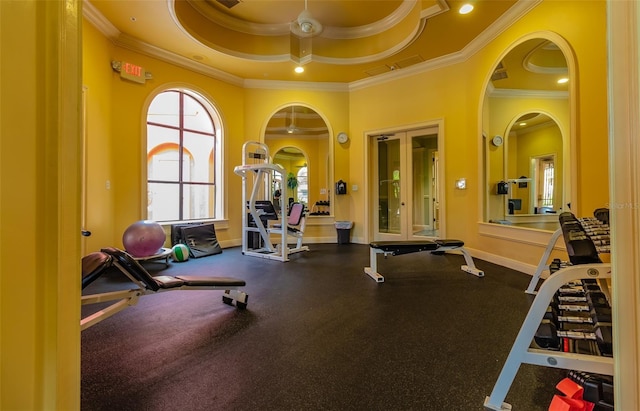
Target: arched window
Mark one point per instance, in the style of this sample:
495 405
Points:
182 158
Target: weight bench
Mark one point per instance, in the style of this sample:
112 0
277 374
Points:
97 263
406 247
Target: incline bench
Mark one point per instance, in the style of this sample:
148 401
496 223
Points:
406 247
143 283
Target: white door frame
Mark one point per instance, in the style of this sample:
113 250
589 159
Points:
369 194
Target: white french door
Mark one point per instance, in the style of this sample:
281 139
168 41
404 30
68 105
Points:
405 185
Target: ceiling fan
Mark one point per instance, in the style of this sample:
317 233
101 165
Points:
305 25
292 128
303 29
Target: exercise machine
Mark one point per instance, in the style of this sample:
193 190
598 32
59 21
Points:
387 248
96 264
257 172
296 223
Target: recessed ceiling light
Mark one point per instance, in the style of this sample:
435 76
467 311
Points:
563 80
466 8
299 69
522 124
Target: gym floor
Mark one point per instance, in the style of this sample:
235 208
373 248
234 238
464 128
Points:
318 334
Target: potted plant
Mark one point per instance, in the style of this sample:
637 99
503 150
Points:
292 183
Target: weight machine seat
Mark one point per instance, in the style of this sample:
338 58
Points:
97 263
295 219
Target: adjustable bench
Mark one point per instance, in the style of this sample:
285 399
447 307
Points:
97 263
406 247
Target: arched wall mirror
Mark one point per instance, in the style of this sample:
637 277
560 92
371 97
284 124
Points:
298 137
526 126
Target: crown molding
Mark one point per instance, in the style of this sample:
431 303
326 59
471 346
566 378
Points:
338 33
295 85
545 70
119 39
418 68
374 57
138 46
436 9
537 127
378 27
100 22
512 15
529 94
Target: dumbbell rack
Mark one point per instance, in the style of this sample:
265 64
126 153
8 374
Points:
597 230
586 265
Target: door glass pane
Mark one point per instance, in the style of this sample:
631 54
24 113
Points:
422 149
389 186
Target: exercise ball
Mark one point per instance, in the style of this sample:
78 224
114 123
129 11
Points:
180 252
143 238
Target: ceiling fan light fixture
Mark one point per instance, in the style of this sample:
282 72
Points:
305 25
291 128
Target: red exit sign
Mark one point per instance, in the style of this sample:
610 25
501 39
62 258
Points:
130 71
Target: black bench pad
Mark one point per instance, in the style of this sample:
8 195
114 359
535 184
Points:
93 265
167 281
447 242
404 247
211 281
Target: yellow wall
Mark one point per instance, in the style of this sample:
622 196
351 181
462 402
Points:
40 361
452 94
589 48
116 130
455 93
438 94
121 115
39 208
97 78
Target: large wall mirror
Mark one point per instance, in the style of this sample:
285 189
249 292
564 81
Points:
298 140
527 137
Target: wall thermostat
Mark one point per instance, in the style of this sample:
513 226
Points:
342 137
497 141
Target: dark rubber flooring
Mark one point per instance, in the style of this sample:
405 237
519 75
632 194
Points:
318 334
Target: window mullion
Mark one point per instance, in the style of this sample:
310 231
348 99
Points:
180 157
